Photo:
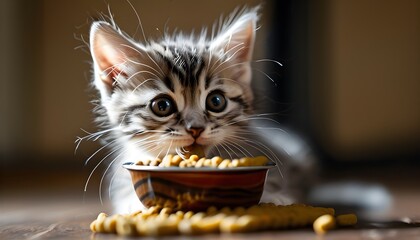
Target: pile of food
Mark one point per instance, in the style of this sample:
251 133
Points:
162 220
197 162
158 221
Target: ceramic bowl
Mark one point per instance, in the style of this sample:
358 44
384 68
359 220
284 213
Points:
196 189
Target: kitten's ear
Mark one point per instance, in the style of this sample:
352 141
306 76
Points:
111 52
237 38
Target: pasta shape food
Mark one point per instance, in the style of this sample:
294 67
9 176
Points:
196 162
159 221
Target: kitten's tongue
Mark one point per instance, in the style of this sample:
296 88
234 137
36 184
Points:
195 149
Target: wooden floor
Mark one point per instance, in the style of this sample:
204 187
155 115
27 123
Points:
28 211
69 219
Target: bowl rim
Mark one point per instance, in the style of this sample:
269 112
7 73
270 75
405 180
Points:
132 166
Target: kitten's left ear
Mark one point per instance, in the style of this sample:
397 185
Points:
237 39
112 54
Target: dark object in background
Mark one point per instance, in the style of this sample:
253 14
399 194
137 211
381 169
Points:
349 81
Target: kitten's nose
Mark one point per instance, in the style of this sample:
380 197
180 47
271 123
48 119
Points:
195 131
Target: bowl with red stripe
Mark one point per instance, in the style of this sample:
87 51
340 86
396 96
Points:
196 189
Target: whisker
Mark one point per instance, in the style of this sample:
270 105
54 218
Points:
104 174
169 148
180 152
265 74
160 152
239 147
142 83
269 60
267 128
139 63
246 140
221 145
109 166
139 21
226 144
148 55
212 68
139 132
218 150
108 155
93 135
100 149
220 59
140 72
251 118
119 169
269 154
97 165
112 181
123 118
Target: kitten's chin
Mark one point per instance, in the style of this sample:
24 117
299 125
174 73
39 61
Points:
196 149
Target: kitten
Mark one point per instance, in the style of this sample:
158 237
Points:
158 97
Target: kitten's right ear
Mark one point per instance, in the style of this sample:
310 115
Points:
111 53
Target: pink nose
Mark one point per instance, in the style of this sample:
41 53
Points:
195 132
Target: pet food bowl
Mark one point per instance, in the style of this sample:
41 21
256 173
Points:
196 189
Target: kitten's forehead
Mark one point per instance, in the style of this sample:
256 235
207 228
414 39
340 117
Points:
186 61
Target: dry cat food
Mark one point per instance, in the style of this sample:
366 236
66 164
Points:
327 222
197 162
158 221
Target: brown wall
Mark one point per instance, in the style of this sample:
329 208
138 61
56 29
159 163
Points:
365 68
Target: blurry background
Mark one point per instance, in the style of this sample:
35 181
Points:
350 81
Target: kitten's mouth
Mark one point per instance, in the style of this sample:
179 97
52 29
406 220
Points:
195 149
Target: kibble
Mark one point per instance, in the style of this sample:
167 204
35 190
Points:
346 220
324 223
197 162
162 221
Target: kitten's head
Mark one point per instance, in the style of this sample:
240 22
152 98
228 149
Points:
163 96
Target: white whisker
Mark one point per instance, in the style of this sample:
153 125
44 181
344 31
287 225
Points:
243 150
230 66
142 64
265 74
139 21
98 164
100 149
252 118
222 145
103 176
140 72
142 83
222 58
269 60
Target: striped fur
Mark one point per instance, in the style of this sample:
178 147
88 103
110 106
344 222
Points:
186 69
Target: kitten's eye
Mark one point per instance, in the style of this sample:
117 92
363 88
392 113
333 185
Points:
216 102
163 106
